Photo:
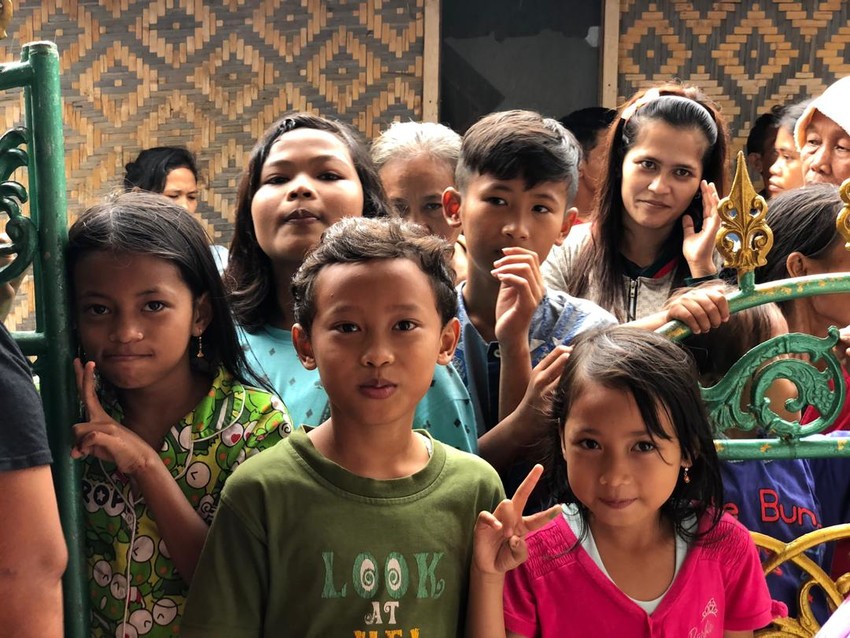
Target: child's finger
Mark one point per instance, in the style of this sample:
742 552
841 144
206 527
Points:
525 488
78 376
538 520
487 519
94 410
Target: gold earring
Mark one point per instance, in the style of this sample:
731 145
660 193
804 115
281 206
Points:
200 353
685 477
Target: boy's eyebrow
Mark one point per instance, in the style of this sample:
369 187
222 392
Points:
403 307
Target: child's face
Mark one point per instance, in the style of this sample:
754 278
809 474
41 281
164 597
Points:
496 214
182 187
415 188
307 183
135 316
661 175
375 350
614 467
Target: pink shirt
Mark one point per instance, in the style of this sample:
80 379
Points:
560 592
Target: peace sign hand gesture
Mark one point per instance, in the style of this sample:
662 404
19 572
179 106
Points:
101 435
500 537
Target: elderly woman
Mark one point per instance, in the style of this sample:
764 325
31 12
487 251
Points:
823 136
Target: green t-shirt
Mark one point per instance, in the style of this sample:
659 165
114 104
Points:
301 547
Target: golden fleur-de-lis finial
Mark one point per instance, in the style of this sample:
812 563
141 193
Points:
5 17
744 238
842 224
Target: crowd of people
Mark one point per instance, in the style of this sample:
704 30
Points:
419 394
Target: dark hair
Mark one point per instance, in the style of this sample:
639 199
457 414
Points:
681 107
520 144
803 221
141 223
717 350
356 239
249 276
662 379
586 124
149 171
761 131
791 113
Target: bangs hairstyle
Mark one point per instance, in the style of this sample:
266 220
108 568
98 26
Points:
355 239
140 223
520 144
149 171
682 107
802 221
406 140
662 378
249 276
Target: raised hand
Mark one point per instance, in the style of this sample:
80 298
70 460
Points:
520 292
698 247
499 544
101 435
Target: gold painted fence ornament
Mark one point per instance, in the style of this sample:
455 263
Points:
842 224
744 238
5 17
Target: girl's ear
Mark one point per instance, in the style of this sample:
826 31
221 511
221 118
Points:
303 347
451 207
203 314
448 341
796 264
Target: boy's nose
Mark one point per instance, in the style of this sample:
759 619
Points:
377 353
516 228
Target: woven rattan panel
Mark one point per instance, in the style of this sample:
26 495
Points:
212 76
746 55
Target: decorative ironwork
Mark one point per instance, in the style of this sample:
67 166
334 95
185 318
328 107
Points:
740 401
22 232
744 238
805 625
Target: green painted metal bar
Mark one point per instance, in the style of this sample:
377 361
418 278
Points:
48 211
14 75
782 290
812 447
729 407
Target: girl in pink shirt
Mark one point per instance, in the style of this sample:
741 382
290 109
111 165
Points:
639 548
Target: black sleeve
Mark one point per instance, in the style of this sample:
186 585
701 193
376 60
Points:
23 436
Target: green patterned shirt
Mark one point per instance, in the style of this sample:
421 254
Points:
230 424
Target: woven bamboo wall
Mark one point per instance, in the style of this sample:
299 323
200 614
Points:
746 55
212 76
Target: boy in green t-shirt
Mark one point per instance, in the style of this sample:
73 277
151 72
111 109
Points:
360 527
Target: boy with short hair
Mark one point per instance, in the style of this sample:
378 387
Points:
360 526
516 180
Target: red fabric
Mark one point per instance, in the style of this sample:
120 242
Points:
843 420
